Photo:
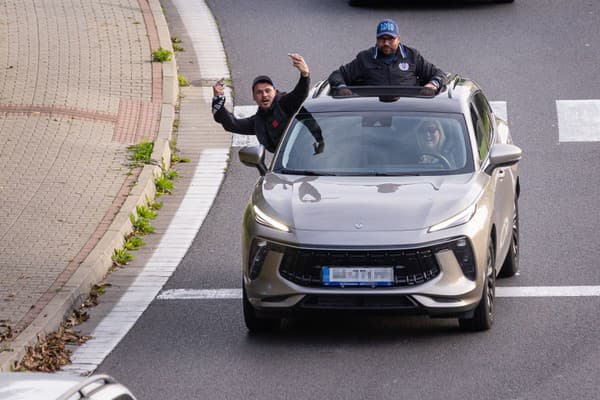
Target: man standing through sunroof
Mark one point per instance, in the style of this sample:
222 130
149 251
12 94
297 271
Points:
389 62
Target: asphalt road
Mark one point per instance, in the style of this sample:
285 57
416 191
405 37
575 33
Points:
529 54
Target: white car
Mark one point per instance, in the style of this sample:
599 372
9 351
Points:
60 386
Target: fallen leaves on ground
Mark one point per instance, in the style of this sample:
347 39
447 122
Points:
50 353
6 331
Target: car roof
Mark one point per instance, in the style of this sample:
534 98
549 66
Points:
452 99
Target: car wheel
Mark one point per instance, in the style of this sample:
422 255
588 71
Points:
483 316
511 263
255 323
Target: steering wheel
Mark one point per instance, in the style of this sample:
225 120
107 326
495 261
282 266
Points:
443 160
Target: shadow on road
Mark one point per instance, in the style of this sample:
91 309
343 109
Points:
357 329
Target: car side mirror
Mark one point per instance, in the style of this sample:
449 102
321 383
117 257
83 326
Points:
254 156
503 155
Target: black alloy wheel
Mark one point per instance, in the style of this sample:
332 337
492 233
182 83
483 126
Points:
511 263
254 323
483 315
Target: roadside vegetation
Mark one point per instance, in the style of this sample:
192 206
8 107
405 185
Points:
51 351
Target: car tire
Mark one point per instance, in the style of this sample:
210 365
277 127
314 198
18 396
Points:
511 263
254 323
482 318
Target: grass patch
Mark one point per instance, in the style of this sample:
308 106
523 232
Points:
182 80
176 159
145 212
161 55
163 185
140 154
141 226
133 243
171 174
122 257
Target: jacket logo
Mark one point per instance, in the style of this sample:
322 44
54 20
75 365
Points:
403 66
275 124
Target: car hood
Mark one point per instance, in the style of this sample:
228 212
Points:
328 203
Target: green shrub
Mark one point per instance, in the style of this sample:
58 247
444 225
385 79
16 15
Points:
145 212
182 80
133 243
163 185
161 55
122 257
141 153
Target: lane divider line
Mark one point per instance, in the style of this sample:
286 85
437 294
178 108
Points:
188 219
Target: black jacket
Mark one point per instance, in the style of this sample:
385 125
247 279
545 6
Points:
408 68
267 125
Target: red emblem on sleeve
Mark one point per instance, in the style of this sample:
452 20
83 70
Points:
275 124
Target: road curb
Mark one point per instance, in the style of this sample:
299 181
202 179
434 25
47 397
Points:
96 265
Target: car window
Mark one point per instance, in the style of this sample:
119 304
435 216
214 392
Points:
480 113
376 143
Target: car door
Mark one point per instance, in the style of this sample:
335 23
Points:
501 178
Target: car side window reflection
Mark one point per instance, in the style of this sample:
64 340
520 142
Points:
483 125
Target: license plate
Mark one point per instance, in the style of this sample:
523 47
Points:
357 276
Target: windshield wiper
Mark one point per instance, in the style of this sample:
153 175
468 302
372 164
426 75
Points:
303 172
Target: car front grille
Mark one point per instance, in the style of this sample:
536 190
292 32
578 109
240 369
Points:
411 267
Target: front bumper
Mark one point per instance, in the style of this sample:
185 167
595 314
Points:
282 279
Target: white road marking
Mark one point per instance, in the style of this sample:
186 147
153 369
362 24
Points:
195 294
204 33
578 120
244 111
548 291
182 230
244 140
503 291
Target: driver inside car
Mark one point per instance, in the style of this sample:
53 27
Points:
431 141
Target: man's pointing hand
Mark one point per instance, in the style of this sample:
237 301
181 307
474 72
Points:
299 63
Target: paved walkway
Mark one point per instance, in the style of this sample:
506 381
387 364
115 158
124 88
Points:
77 87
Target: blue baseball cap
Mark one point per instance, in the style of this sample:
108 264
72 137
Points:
387 27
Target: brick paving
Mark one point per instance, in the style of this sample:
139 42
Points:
77 86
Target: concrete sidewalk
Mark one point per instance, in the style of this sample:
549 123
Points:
77 87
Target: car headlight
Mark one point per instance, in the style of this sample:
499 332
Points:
461 218
264 219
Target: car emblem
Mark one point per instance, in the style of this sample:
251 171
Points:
358 225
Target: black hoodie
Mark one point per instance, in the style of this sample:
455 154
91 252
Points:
267 125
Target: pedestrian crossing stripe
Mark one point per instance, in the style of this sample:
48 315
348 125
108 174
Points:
578 120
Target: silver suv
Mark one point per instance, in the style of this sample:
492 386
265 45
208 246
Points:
408 205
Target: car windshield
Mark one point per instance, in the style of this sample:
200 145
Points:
375 143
